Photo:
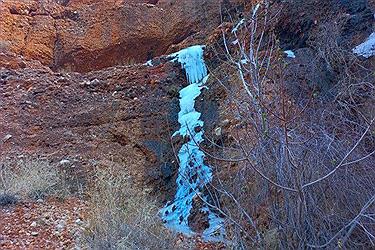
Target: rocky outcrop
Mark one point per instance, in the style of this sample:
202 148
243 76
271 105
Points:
122 115
86 35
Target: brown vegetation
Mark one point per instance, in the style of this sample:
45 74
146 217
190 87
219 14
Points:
33 178
120 217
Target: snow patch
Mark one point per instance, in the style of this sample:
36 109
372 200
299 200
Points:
235 42
367 48
244 61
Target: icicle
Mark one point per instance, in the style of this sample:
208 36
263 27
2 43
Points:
193 174
191 59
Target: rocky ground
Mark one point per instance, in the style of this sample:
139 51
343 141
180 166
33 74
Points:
56 224
41 224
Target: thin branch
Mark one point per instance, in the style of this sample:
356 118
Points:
343 160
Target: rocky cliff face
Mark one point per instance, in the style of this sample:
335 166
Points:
89 35
55 103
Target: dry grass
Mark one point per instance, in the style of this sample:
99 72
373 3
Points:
121 218
30 178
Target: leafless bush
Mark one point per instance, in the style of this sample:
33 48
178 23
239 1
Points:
301 170
122 218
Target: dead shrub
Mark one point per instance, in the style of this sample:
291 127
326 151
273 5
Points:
120 217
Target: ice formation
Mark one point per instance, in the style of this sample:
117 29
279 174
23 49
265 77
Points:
366 49
290 53
193 173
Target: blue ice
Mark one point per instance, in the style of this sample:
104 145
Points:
193 173
290 53
367 48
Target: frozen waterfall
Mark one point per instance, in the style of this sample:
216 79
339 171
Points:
193 174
